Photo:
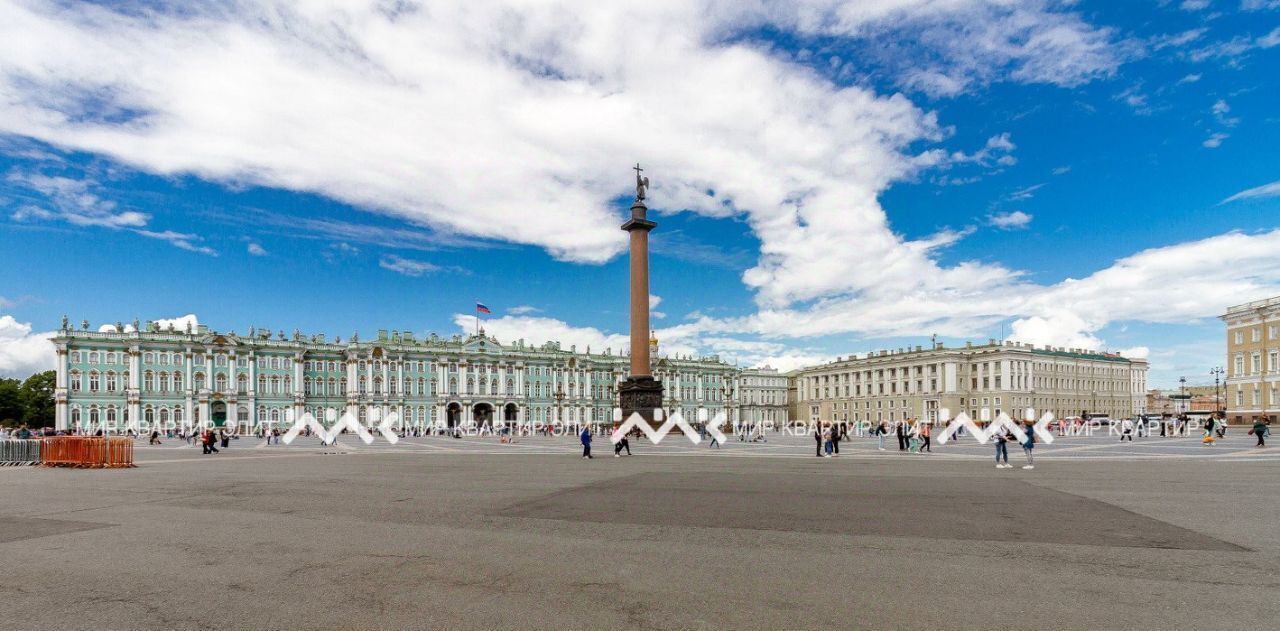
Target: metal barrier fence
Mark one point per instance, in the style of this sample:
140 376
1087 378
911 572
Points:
18 452
87 452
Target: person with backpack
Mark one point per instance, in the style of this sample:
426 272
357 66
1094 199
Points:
1260 430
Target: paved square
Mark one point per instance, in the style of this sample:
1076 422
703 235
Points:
439 533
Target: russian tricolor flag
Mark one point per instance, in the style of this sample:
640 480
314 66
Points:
480 308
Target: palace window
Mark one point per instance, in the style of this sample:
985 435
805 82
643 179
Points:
149 415
242 384
220 382
93 381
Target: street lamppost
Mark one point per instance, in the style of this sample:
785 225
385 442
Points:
1183 386
1217 373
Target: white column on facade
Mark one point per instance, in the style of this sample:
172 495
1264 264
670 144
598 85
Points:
135 368
231 378
208 378
60 414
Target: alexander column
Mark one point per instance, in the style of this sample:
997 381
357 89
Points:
640 392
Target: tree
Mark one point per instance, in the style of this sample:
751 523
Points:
36 396
11 410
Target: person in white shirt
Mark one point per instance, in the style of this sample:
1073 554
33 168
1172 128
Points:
1126 430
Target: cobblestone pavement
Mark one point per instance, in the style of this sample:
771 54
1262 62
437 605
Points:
443 533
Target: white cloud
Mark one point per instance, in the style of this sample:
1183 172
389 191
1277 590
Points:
23 353
1015 220
1027 192
539 99
75 201
1194 5
408 267
1258 192
1215 140
1135 352
257 249
179 323
1191 78
523 310
183 240
458 116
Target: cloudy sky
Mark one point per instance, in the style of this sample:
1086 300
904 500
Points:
828 178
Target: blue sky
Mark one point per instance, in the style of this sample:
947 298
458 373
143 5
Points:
827 180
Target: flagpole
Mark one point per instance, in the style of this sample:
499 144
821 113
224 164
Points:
477 316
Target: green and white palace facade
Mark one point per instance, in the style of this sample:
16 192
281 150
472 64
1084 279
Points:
174 378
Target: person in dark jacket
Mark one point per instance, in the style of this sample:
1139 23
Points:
835 440
1260 431
902 436
586 442
817 441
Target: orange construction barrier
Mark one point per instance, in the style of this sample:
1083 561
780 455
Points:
87 452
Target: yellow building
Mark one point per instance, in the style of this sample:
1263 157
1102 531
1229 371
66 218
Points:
1253 361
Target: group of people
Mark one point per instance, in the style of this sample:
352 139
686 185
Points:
21 433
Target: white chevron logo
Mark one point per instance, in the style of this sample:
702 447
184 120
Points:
348 421
635 421
1003 424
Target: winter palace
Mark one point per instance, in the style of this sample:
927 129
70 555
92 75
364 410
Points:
177 378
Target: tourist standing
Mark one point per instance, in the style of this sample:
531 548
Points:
585 437
1002 451
1126 430
902 435
817 440
1027 447
881 431
835 440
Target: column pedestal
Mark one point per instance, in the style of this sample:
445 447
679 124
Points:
640 395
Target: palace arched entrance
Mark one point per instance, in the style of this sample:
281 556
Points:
510 413
453 414
482 414
218 413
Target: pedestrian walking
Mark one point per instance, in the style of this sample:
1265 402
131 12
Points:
925 431
620 445
1207 441
1126 430
1260 431
585 437
881 431
155 437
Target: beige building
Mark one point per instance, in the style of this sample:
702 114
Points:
762 397
1253 360
919 383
